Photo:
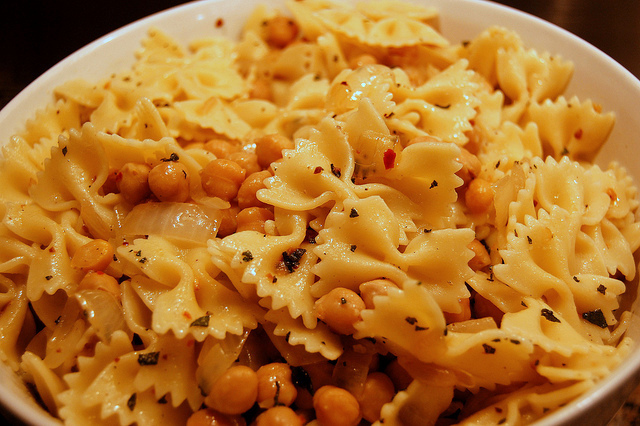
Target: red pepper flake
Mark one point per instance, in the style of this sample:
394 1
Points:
187 315
317 170
389 159
578 134
219 22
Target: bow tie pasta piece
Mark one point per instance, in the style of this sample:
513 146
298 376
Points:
183 297
386 32
102 387
294 334
13 310
276 268
570 127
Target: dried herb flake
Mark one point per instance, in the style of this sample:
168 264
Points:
488 349
336 171
203 321
131 402
411 320
150 358
548 315
291 260
247 256
596 318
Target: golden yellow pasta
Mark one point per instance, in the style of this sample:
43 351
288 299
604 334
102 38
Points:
376 221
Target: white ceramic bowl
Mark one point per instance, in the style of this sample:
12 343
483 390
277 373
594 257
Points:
596 76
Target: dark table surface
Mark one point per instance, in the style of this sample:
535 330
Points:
36 34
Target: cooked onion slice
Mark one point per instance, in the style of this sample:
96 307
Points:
103 312
182 222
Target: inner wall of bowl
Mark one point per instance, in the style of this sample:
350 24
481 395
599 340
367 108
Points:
596 77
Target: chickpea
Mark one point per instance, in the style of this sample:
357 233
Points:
261 89
253 219
280 31
479 196
275 386
399 376
220 148
279 416
362 60
470 166
228 221
269 148
133 182
98 280
169 181
481 255
235 391
463 315
373 288
340 309
336 407
222 178
378 390
247 160
249 188
95 255
209 417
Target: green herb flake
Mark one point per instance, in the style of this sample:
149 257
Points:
203 321
150 358
247 256
548 315
411 320
596 318
488 349
131 402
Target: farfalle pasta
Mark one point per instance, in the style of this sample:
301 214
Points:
343 214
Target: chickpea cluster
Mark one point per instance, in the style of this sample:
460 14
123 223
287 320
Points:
274 394
235 176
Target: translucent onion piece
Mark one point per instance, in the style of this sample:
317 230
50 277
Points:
103 312
351 371
216 356
181 222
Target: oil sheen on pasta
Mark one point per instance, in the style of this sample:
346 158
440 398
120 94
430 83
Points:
341 217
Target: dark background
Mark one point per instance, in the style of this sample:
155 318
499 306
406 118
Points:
35 34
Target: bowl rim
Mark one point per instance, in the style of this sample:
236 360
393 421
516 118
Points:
39 93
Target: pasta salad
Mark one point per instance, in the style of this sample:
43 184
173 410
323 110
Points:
340 218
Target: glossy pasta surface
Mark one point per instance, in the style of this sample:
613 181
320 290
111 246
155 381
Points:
339 218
